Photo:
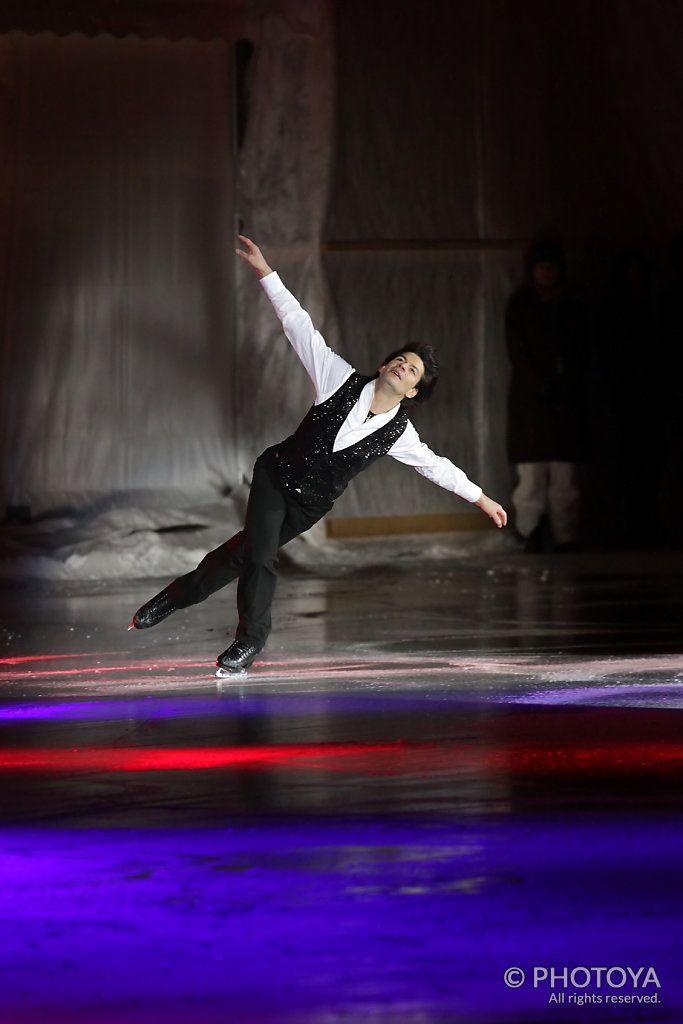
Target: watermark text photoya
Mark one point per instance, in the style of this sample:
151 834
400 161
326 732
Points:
615 985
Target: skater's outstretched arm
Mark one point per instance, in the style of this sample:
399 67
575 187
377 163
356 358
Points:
411 451
252 255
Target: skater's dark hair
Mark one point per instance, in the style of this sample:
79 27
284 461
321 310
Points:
428 380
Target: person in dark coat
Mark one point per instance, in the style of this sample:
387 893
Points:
546 435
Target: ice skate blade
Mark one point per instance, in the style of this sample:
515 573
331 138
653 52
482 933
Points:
132 625
226 673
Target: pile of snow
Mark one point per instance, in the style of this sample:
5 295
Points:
108 539
119 543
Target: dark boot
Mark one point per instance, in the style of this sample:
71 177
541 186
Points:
239 656
154 611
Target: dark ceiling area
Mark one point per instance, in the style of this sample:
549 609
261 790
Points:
171 19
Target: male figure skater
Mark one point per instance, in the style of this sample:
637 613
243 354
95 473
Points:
354 420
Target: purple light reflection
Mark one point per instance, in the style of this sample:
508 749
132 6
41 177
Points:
632 694
284 923
228 705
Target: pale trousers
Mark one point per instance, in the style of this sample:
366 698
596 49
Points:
547 488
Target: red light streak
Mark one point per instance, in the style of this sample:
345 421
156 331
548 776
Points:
396 758
53 657
264 672
134 759
94 669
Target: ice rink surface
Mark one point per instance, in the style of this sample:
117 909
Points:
449 791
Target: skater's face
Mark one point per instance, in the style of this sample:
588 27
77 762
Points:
403 374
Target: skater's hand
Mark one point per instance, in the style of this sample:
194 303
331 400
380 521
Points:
493 509
253 256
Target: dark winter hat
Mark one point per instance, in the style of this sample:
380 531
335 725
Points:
545 252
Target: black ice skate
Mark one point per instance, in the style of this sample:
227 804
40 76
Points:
154 611
238 657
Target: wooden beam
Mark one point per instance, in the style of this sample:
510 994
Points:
387 526
423 245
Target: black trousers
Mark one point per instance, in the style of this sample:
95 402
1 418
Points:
273 518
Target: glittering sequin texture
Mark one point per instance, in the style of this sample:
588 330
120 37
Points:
308 466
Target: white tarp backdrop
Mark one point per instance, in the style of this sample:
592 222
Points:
283 187
118 308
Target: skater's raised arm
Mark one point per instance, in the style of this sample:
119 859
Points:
252 255
326 369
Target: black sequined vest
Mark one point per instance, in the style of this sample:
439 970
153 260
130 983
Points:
307 465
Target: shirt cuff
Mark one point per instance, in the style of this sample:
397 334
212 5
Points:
272 285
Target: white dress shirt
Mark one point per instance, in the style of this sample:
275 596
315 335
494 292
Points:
328 371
